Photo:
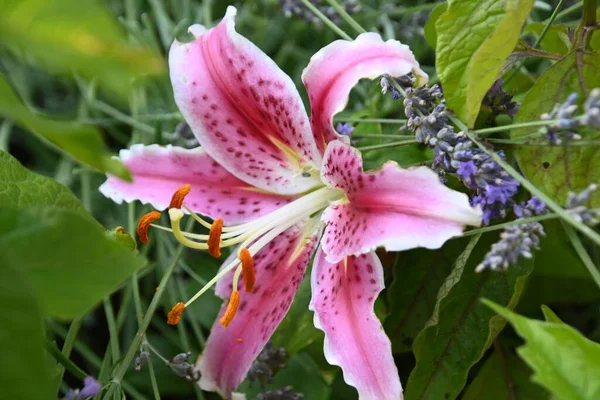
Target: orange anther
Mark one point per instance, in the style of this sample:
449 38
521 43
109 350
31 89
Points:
214 238
177 199
239 340
234 302
174 316
144 225
248 274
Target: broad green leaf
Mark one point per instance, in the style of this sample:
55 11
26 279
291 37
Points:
24 374
21 188
556 40
474 39
504 376
418 275
83 143
71 262
461 329
556 171
297 330
76 35
430 33
564 361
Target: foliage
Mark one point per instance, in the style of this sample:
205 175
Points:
81 80
554 350
474 38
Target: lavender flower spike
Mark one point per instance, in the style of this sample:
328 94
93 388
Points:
576 206
516 241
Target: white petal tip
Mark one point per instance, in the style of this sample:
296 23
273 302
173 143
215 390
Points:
197 30
231 12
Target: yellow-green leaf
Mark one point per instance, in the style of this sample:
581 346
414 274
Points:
83 143
76 35
564 361
474 39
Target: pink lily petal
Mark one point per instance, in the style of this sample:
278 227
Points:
243 109
229 352
336 68
159 171
392 207
343 295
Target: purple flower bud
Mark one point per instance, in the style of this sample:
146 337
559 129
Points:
344 129
90 387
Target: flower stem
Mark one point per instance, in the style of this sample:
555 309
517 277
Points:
504 128
586 230
207 11
112 329
64 361
403 11
575 143
346 17
583 254
519 221
67 348
191 316
589 13
569 10
326 20
130 355
549 22
386 145
378 136
373 120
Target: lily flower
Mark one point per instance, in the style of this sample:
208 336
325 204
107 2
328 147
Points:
280 187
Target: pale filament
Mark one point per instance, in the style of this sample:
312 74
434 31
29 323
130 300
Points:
253 235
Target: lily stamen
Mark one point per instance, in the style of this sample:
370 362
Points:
179 196
214 238
174 316
232 306
248 273
144 225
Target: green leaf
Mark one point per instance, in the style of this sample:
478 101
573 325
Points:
297 330
76 35
430 33
119 235
556 40
71 262
475 37
504 376
461 329
564 361
23 375
83 143
556 171
21 188
418 275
